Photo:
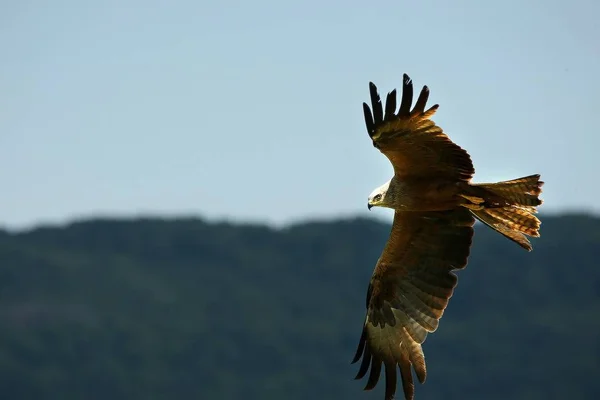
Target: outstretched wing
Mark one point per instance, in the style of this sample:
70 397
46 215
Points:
408 293
413 143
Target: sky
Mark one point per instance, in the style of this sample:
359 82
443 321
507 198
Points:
252 110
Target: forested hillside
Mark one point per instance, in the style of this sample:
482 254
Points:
185 309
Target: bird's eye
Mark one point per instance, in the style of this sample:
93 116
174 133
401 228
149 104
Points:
377 197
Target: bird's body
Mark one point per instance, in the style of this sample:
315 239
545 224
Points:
421 194
435 206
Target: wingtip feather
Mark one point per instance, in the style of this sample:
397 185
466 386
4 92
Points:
375 373
360 349
376 103
407 97
368 119
390 105
419 107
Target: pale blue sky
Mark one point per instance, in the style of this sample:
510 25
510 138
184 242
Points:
251 110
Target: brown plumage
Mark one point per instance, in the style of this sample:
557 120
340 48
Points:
435 209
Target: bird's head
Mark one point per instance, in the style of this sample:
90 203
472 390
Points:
378 197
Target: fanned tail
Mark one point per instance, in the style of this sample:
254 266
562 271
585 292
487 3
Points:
508 207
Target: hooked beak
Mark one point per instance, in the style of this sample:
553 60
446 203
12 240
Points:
369 206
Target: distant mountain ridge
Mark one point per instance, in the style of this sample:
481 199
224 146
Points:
154 308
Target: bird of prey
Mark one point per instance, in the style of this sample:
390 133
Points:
435 206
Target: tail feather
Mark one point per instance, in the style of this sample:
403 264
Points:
498 225
517 219
508 207
523 191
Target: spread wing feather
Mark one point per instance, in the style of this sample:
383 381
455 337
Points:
408 293
412 142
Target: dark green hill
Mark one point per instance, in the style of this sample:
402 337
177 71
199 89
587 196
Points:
185 309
